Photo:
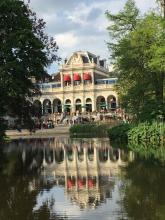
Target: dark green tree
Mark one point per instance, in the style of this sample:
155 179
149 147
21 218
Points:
25 52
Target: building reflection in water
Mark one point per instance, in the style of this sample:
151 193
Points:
86 168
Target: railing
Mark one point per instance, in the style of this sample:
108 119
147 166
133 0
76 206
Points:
104 86
56 87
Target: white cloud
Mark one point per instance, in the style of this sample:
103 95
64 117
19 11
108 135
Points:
79 14
81 25
66 40
146 5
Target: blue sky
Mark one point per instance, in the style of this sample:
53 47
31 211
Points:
80 25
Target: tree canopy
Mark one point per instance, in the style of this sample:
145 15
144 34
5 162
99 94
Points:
137 46
25 52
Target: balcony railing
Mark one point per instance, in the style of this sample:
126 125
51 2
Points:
56 87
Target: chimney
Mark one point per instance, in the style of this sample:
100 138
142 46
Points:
65 61
98 58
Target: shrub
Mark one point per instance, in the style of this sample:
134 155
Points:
88 130
119 132
147 132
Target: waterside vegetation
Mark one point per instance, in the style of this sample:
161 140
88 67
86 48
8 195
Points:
88 130
146 139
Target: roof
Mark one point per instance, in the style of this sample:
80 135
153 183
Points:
85 57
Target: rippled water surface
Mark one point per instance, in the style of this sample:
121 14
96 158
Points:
60 178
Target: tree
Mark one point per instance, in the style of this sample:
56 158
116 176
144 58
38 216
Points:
138 58
123 22
24 53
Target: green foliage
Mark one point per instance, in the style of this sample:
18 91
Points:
138 57
124 21
24 53
88 130
147 133
146 139
119 132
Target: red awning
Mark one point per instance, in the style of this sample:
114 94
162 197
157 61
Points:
80 183
76 77
90 183
87 76
70 184
67 78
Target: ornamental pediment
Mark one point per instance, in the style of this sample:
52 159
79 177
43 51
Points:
75 59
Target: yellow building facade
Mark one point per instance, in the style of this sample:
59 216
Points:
83 84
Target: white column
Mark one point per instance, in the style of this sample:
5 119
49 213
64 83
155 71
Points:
93 80
62 80
93 104
71 76
52 107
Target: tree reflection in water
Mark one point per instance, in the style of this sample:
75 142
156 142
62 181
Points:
144 197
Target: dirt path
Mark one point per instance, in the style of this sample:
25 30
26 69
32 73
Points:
58 130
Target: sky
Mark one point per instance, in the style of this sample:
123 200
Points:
80 24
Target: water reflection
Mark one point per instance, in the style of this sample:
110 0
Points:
85 168
59 178
57 175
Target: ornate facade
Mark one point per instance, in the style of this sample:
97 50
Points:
82 84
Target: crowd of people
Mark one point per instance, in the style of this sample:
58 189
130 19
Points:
67 118
49 121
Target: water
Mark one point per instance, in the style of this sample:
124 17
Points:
59 178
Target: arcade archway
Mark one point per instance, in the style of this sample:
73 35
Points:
111 102
47 106
89 105
67 106
78 105
57 106
100 103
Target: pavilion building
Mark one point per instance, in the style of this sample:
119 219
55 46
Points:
83 84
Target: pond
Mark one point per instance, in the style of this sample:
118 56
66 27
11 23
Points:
59 178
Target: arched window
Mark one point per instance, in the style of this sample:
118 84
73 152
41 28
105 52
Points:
101 103
78 105
47 106
111 101
57 107
89 105
67 106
